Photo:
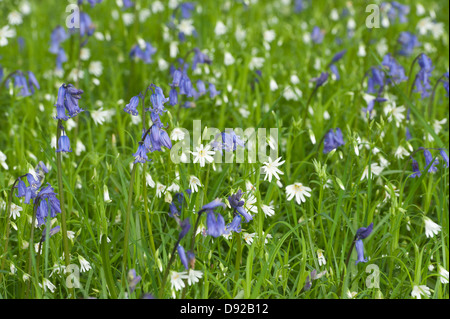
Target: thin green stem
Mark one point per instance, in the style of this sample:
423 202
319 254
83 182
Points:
237 265
166 272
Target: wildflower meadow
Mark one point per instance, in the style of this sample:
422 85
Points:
235 149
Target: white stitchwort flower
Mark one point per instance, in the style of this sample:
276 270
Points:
248 237
96 68
46 284
299 191
100 116
375 168
400 152
443 273
3 160
176 279
15 18
84 264
186 26
194 276
203 155
160 189
194 183
269 35
228 59
15 211
321 258
220 28
271 169
419 291
6 33
149 181
268 210
431 228
177 134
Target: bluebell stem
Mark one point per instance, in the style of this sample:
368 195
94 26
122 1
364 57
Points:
51 232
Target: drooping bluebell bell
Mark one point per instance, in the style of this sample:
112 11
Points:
58 36
408 134
158 100
87 27
32 82
133 280
415 168
227 141
333 139
238 205
360 251
299 6
317 35
186 9
173 96
176 78
422 80
1 73
323 77
332 65
215 223
60 108
362 233
20 82
131 108
185 227
200 57
127 4
444 156
375 82
395 71
201 87
213 91
141 154
371 104
235 225
72 97
408 42
183 257
429 159
47 194
64 144
51 232
145 54
213 205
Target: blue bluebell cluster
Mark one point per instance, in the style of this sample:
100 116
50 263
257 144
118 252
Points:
44 197
143 53
155 137
333 139
176 206
396 11
227 141
238 212
430 161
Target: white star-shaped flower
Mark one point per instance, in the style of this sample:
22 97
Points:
271 169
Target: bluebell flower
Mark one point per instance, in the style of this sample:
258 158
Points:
335 71
213 205
408 134
144 54
396 11
64 144
173 96
299 6
48 194
215 224
91 2
317 35
238 205
51 232
176 78
186 9
21 188
376 79
227 141
72 95
200 57
173 210
422 81
333 139
60 108
185 227
32 82
183 257
415 168
430 160
235 225
395 71
158 100
360 250
201 87
408 42
212 91
1 73
364 232
58 35
444 156
133 280
371 104
131 108
338 56
127 4
42 212
141 154
87 28
321 79
21 83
